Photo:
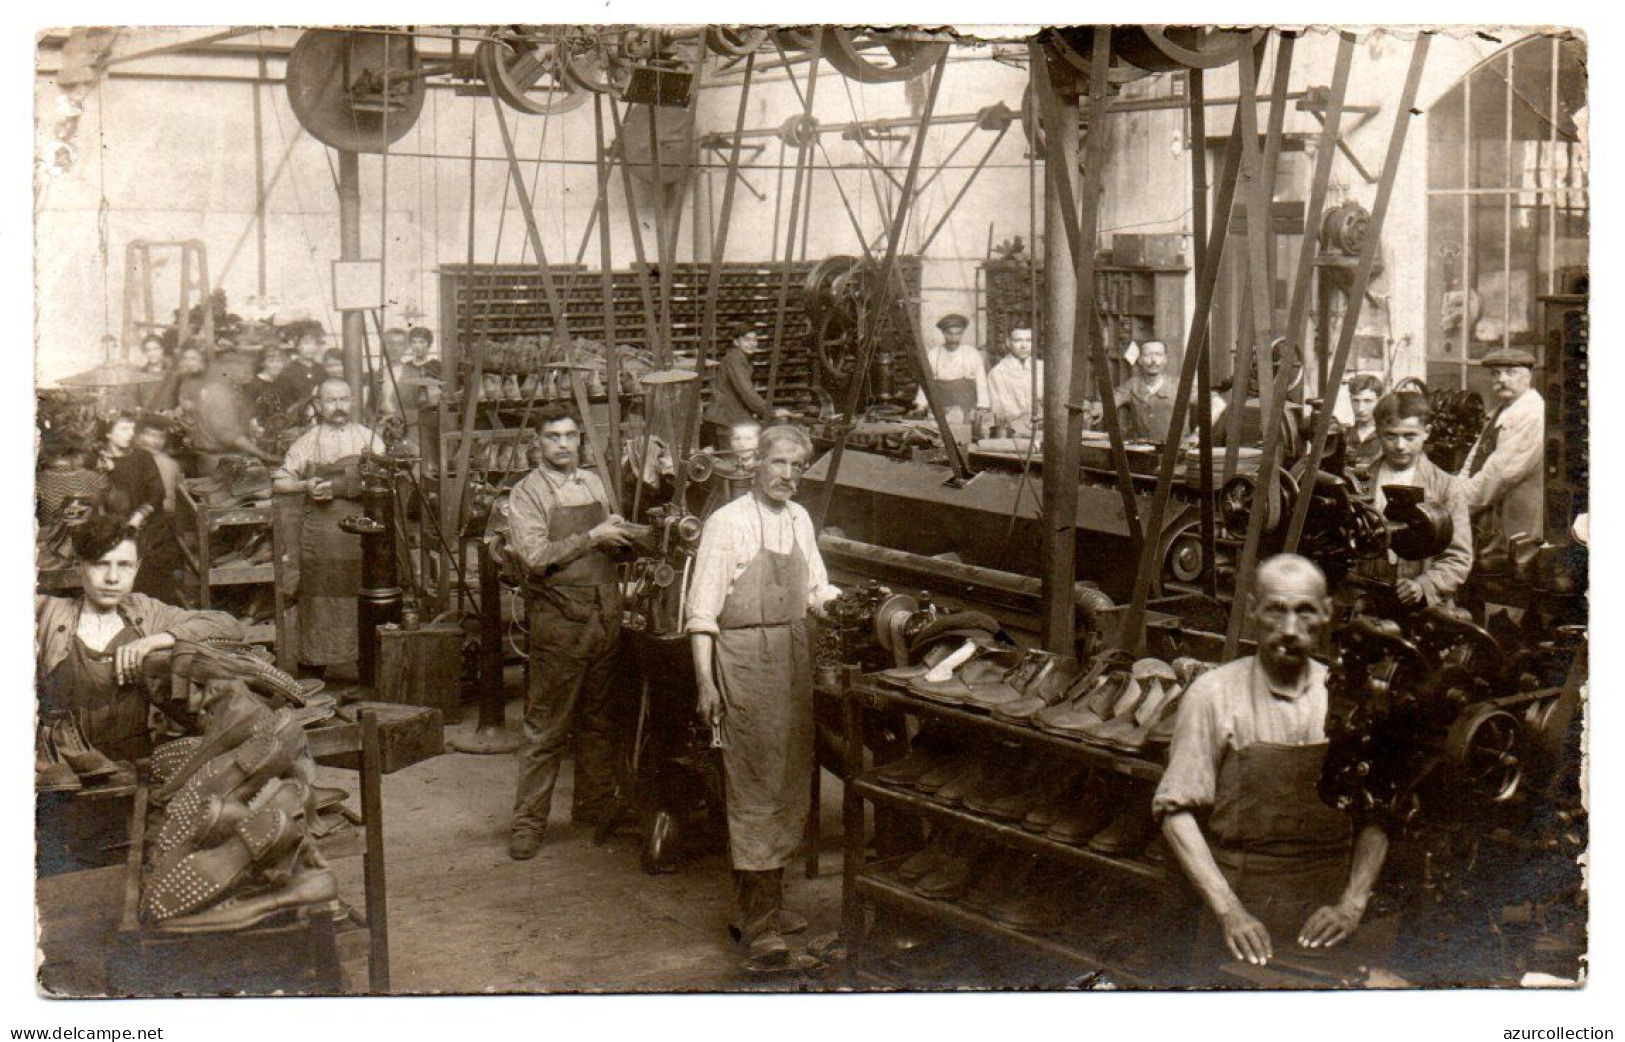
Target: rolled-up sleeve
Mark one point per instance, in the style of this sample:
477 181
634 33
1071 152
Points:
714 566
1445 573
158 617
296 464
1193 757
819 589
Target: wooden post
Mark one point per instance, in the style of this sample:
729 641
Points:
375 884
1204 371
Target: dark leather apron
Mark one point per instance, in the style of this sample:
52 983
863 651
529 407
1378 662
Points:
113 718
957 394
764 672
587 584
1280 847
329 574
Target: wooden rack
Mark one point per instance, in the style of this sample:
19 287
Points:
870 883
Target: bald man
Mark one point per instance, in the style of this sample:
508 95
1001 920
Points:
1273 863
321 466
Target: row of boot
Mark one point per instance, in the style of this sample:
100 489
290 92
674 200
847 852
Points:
1021 891
1103 811
236 811
1120 703
65 762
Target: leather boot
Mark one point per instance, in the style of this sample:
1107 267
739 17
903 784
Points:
1007 795
89 763
760 896
1091 812
51 774
922 863
1054 799
972 775
1131 830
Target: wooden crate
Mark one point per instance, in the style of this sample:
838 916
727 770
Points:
422 667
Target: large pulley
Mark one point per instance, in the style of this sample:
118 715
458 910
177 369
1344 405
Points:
525 68
839 296
882 56
356 91
1482 750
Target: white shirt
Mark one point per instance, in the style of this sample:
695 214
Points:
732 538
962 363
1010 387
324 444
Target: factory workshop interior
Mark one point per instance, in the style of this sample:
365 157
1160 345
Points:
803 508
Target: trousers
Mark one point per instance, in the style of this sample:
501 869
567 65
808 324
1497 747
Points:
569 689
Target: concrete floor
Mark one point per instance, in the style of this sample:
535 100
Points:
465 918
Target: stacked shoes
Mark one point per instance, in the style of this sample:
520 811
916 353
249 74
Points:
232 846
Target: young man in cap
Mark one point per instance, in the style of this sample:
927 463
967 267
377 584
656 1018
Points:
956 373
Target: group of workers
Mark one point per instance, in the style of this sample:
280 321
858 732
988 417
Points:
1008 397
1271 861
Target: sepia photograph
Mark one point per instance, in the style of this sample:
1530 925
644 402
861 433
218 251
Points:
657 508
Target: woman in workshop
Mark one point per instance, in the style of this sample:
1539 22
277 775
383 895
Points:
136 493
757 574
89 649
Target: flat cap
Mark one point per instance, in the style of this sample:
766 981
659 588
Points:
952 321
1502 357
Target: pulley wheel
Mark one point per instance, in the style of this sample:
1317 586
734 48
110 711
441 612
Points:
799 129
1483 749
674 136
898 57
1165 48
355 91
1182 559
799 38
526 73
1075 47
590 65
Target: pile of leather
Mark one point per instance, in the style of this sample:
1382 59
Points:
534 367
231 842
237 481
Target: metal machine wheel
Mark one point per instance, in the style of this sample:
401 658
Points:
355 91
1483 752
734 41
525 71
909 56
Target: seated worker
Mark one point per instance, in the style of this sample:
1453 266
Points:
958 375
89 649
1364 445
1148 396
1402 421
178 389
298 380
1011 383
1238 801
220 422
757 574
733 395
136 493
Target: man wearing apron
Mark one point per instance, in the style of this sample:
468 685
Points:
1273 862
756 575
89 649
958 375
321 465
560 534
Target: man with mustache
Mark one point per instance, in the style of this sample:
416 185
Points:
321 466
756 575
1503 475
560 535
1238 802
1147 397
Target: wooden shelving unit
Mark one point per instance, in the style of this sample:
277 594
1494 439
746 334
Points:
869 884
205 523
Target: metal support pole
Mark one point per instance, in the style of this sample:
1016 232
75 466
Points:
891 293
1063 416
379 600
490 736
606 283
803 166
1362 276
355 329
1134 619
1295 330
1204 370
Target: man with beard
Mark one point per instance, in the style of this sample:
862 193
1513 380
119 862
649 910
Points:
321 466
1272 861
756 576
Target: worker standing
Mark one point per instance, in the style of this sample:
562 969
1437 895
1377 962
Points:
757 574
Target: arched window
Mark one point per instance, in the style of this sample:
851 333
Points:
1508 209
